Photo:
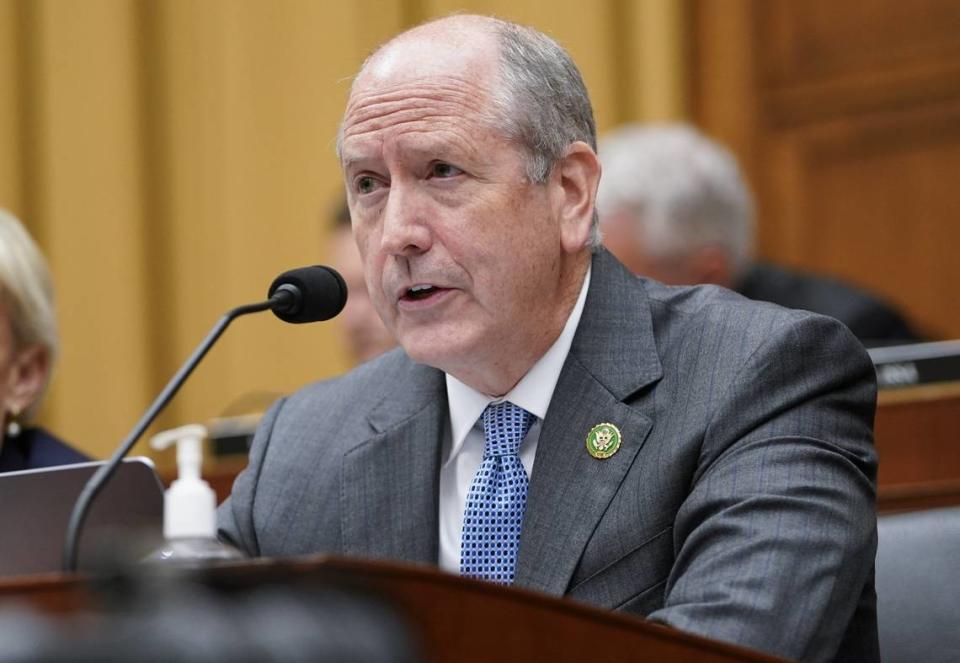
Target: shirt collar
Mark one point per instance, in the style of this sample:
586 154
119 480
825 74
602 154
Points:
532 393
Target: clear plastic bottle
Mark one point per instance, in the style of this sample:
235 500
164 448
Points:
189 507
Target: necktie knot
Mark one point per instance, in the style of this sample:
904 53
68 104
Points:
504 427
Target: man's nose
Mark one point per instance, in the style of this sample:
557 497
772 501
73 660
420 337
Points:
405 225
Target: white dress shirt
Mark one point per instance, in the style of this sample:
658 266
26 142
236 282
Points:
463 442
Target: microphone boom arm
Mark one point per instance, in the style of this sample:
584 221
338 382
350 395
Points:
280 298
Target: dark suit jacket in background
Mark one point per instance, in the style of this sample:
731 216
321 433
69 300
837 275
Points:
34 448
871 319
740 505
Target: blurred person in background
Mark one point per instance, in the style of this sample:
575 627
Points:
363 330
28 347
674 206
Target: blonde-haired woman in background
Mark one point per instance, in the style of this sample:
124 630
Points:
28 347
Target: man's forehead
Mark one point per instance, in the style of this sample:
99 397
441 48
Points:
408 99
440 74
447 102
433 52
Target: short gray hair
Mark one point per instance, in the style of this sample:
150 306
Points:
542 103
25 287
684 190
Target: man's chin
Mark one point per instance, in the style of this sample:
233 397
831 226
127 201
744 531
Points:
427 356
438 353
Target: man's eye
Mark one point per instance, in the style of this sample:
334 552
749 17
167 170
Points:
366 184
444 170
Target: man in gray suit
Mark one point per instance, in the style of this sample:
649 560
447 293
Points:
552 420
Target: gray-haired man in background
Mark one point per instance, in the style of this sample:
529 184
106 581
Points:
675 207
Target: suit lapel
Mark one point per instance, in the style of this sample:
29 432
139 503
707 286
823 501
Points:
612 357
390 482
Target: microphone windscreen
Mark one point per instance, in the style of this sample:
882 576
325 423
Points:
320 294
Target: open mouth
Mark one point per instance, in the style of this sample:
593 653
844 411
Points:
418 292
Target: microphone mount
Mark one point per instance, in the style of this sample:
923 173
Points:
287 298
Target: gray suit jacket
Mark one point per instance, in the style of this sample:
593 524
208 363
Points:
740 505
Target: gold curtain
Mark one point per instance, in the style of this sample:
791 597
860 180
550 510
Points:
171 157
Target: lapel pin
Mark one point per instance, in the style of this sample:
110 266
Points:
603 440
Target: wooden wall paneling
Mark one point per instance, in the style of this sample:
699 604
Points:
87 178
779 188
816 40
11 120
653 36
876 207
723 92
253 98
819 61
849 135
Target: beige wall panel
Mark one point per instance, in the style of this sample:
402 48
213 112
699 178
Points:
87 174
724 95
372 22
11 144
253 96
188 191
654 40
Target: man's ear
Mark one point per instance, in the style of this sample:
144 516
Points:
578 174
27 377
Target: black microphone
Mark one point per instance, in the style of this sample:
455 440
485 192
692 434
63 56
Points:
307 294
316 293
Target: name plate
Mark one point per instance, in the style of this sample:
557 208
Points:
918 363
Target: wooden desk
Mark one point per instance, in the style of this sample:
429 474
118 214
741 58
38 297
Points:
917 433
451 617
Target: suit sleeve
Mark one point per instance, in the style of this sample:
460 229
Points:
235 524
776 540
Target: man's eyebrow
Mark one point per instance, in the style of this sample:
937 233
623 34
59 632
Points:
433 150
352 161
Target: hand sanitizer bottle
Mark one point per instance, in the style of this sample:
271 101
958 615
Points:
189 506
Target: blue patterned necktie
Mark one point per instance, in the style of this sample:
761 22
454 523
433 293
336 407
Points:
494 511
